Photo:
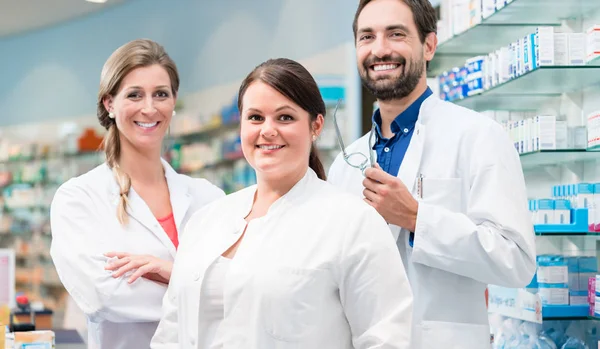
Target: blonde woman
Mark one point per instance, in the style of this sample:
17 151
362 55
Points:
115 229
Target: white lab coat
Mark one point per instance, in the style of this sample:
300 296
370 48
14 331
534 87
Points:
320 270
473 226
84 226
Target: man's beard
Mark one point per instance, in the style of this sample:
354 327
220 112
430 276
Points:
398 87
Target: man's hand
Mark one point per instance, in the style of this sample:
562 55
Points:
390 197
149 267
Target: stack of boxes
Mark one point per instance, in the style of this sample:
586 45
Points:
458 16
563 280
544 47
593 43
545 132
581 269
553 279
550 211
557 210
593 130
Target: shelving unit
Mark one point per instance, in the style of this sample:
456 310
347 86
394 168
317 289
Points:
559 233
523 305
516 19
48 157
531 90
566 312
557 157
205 132
557 90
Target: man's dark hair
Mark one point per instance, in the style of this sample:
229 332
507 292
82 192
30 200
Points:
423 12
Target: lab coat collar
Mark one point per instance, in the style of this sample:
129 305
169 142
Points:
406 119
427 108
409 169
294 194
180 202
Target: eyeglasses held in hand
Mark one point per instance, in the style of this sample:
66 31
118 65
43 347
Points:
357 160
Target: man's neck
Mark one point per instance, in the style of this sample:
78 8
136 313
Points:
390 109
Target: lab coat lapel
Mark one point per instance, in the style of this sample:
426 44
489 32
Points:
139 210
411 163
409 169
229 232
180 196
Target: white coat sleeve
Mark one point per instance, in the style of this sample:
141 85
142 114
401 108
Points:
79 241
493 240
374 289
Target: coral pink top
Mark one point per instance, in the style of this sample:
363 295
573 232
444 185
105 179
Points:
168 225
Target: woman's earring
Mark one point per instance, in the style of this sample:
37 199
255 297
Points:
174 113
314 138
111 115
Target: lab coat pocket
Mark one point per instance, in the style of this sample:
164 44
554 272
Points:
445 192
453 335
290 303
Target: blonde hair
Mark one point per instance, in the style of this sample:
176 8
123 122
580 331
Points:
135 54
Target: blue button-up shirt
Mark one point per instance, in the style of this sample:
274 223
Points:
391 151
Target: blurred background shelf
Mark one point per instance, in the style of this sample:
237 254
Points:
557 157
566 312
531 90
516 19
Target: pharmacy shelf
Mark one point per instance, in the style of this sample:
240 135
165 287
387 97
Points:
566 312
578 224
543 12
557 157
531 90
479 40
520 304
515 303
231 159
562 234
226 162
515 20
205 132
50 157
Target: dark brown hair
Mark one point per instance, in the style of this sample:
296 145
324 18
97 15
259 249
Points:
292 80
423 13
134 54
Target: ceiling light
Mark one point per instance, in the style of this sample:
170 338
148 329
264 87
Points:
97 1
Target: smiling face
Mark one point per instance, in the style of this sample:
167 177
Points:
143 107
391 57
276 134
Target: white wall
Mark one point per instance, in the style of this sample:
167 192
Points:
54 73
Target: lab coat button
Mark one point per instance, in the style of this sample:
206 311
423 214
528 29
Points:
197 276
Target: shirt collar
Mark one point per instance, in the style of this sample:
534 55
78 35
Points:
406 119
